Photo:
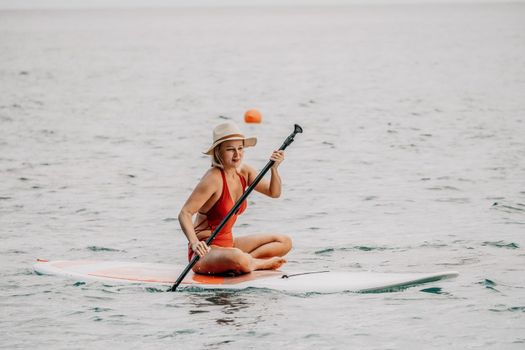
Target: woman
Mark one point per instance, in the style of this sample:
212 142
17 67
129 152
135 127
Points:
213 197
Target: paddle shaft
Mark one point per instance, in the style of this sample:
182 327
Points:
287 142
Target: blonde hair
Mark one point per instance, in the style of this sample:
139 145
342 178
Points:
216 160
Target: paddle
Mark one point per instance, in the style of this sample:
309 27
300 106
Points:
287 142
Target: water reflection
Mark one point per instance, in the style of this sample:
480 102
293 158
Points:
223 304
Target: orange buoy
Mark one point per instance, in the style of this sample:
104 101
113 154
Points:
252 116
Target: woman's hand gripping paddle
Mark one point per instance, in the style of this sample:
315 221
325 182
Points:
287 142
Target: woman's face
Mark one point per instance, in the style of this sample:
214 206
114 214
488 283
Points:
232 153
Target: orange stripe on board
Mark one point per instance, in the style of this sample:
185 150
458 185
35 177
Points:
65 264
254 275
132 279
207 279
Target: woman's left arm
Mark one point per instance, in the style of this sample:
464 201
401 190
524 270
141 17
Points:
273 187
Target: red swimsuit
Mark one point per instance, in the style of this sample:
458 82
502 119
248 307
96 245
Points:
214 216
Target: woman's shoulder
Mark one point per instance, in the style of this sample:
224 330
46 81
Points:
212 176
246 171
213 172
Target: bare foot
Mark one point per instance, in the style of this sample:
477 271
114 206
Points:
269 264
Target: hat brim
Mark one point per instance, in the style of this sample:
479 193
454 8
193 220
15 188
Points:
248 142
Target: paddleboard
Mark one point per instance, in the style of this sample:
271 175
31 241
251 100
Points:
118 272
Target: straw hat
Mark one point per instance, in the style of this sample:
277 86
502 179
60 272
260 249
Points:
226 132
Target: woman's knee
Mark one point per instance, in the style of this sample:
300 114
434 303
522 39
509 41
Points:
286 241
240 261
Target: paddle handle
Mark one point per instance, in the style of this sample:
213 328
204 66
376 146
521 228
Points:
286 143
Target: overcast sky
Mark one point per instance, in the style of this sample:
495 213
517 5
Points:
22 4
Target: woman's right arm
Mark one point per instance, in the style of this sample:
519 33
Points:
200 195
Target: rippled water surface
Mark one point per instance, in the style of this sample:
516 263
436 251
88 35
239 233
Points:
412 160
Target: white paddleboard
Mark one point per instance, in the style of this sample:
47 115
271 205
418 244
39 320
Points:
297 282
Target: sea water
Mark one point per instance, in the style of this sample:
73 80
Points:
412 160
